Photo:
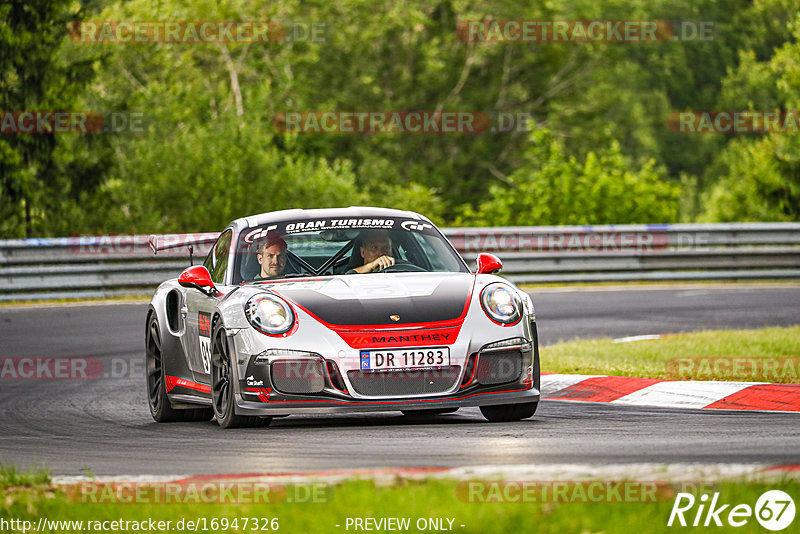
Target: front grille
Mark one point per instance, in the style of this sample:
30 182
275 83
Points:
298 376
499 368
404 382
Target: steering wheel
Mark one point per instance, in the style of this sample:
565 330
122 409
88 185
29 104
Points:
403 266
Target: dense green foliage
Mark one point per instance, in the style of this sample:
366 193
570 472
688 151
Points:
597 148
551 188
44 179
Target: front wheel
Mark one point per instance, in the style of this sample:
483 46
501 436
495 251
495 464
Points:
223 383
504 413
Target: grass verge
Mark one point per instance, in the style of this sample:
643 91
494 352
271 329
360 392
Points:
10 476
441 500
658 284
765 355
82 300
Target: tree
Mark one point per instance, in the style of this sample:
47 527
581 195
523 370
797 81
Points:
552 188
758 175
43 176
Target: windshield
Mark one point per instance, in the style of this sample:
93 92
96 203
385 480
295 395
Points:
318 247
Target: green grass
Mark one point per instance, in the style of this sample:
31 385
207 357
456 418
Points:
414 500
765 355
133 298
658 284
10 476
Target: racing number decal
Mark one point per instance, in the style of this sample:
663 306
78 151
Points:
204 327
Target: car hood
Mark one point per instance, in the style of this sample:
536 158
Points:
382 298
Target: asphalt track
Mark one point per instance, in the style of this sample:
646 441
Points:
103 425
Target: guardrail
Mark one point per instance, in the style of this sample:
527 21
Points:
101 266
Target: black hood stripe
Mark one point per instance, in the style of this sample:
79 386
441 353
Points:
446 303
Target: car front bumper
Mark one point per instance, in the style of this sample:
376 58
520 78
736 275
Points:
474 385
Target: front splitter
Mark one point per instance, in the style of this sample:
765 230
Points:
244 407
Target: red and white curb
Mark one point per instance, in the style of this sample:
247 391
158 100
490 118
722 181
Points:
632 391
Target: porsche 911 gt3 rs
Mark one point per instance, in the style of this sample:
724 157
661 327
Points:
419 333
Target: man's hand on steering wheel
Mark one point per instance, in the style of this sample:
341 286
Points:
377 265
403 267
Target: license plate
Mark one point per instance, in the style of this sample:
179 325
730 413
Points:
404 358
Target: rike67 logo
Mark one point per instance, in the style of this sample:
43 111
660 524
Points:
774 510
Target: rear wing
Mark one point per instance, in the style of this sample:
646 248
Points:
190 241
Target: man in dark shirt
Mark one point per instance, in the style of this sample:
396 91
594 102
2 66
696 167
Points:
376 250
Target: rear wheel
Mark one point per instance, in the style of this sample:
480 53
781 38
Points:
160 408
430 412
223 383
504 413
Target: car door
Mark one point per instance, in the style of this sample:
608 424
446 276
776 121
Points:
200 307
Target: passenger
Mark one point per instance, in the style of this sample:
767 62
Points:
272 255
376 250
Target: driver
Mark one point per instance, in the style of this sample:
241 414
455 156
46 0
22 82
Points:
272 256
376 250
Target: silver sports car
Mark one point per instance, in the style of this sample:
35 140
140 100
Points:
336 311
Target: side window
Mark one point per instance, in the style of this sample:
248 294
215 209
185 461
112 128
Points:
208 263
217 260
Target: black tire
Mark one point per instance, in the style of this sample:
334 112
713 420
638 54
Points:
429 412
504 413
223 382
160 407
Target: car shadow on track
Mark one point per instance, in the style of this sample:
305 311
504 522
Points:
464 418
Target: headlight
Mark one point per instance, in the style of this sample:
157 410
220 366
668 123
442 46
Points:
269 314
501 303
